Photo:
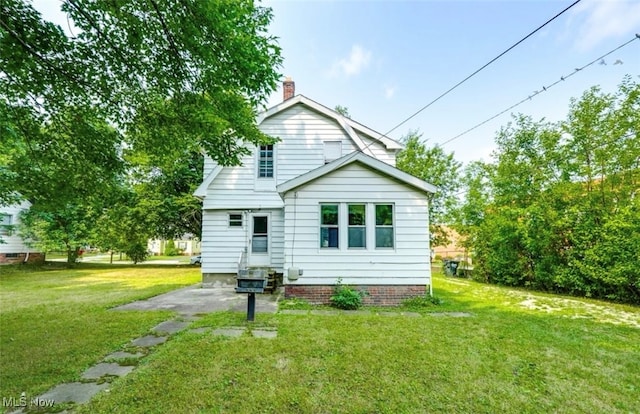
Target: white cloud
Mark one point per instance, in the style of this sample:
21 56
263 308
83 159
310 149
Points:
389 91
358 59
599 20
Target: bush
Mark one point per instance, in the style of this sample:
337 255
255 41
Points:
346 297
170 249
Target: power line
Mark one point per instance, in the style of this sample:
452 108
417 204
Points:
482 68
470 76
464 80
536 93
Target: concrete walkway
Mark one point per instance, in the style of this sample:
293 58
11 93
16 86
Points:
197 300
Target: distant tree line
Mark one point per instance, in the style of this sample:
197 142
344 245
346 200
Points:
559 207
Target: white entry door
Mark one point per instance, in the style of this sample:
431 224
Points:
260 240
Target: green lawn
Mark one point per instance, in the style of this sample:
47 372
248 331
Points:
55 323
518 352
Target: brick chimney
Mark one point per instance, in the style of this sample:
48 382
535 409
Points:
288 89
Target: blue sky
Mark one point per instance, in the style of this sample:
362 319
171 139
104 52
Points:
384 60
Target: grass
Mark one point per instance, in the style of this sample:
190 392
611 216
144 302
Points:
56 322
519 352
507 357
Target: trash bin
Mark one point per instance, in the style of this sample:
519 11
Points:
451 267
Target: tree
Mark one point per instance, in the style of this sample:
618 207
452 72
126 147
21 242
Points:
126 226
436 167
558 209
164 79
127 58
342 110
67 166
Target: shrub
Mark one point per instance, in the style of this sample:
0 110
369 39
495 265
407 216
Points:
170 249
346 297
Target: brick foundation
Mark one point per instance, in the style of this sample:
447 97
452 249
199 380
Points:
379 295
12 258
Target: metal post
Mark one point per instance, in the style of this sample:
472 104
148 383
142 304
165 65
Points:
251 307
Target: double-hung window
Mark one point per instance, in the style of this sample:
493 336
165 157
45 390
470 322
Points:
329 219
265 161
357 226
384 226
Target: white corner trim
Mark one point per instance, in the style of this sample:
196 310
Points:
201 191
386 141
354 137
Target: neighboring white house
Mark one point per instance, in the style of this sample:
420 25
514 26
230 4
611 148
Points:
323 203
187 245
12 247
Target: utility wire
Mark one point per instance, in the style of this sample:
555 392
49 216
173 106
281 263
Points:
468 77
461 82
482 68
536 93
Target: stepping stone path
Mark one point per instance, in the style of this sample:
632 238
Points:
170 327
77 392
232 332
106 368
149 341
237 331
98 377
123 355
264 333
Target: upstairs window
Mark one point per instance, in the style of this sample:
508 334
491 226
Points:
332 151
329 234
265 161
384 225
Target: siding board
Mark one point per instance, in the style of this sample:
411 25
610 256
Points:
407 263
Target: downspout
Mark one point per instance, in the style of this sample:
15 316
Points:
26 257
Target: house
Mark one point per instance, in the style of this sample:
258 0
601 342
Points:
186 245
12 247
324 203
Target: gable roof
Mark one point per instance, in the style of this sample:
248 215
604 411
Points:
361 158
347 124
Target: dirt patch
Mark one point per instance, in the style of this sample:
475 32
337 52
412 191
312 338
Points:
577 309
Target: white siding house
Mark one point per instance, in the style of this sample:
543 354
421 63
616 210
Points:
12 247
269 211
